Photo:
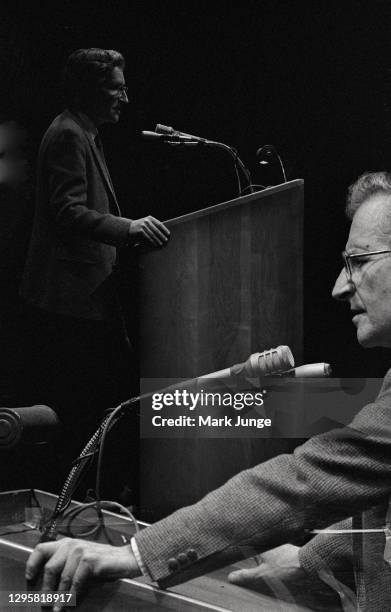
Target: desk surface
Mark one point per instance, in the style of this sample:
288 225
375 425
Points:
209 592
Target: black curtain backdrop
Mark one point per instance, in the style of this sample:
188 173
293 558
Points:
308 77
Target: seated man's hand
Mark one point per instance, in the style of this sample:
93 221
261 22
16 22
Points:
68 564
148 230
281 563
281 576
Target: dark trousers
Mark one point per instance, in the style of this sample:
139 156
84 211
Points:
81 368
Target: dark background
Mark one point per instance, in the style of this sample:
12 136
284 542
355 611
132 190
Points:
309 77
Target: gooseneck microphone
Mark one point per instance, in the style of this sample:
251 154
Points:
166 130
168 135
273 362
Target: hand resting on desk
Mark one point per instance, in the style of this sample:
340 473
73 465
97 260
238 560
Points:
68 564
280 575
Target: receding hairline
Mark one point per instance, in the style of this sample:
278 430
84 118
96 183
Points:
381 214
367 185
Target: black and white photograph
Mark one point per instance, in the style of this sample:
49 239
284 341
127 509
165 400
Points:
195 306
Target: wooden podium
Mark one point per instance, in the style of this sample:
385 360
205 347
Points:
228 284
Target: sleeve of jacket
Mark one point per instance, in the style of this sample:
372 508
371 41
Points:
66 170
332 476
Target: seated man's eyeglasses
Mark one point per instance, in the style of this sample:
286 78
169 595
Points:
353 262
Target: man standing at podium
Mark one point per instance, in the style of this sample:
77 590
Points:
81 349
333 476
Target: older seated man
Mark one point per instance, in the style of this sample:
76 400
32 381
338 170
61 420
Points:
336 475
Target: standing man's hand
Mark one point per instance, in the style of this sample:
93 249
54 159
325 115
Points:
148 230
68 564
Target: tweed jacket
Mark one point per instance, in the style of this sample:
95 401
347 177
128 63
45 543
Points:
335 475
77 224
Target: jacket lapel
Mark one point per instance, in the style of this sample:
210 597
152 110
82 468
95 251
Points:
103 169
98 159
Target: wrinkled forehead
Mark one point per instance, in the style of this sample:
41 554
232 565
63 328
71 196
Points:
371 224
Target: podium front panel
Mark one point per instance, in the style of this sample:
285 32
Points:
229 283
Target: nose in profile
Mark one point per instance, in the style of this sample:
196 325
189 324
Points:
344 287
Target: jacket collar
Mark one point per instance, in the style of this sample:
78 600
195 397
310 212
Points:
87 123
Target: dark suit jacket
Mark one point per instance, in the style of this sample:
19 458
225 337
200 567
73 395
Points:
341 473
77 224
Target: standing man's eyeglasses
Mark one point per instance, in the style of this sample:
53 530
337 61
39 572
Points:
119 92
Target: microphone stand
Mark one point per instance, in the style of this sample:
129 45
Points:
80 464
239 165
173 138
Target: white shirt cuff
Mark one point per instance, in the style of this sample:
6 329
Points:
136 552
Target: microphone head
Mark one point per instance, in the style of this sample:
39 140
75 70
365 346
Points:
271 362
164 129
267 149
266 153
32 424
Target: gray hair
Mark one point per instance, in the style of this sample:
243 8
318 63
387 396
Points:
368 184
